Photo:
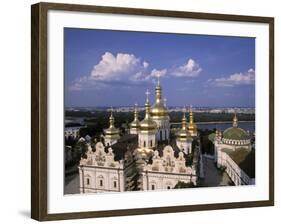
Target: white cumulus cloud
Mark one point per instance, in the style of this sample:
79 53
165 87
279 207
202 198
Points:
189 69
117 67
236 79
123 69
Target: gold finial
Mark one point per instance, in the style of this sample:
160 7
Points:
158 78
111 118
190 114
136 112
184 110
184 118
147 93
235 120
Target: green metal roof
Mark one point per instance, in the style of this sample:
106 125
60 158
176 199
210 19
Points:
235 134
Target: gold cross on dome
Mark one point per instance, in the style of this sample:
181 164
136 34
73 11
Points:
158 78
184 109
147 93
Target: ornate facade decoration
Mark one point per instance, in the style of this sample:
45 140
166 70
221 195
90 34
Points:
147 158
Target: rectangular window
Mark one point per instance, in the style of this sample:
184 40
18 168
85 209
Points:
88 181
150 142
153 187
115 184
101 183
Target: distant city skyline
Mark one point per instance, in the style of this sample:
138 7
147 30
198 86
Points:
115 68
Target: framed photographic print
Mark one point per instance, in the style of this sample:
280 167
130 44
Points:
139 111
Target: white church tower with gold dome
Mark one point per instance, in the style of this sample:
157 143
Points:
111 134
135 124
148 127
160 115
184 139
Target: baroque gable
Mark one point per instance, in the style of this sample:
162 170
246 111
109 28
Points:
100 157
168 162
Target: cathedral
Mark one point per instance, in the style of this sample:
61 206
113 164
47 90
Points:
148 157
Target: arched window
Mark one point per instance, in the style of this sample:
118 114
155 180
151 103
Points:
144 144
151 143
100 181
115 184
88 181
152 187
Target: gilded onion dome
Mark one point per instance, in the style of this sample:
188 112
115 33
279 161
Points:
135 123
159 110
183 134
192 127
147 123
112 131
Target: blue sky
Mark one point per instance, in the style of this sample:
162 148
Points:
114 68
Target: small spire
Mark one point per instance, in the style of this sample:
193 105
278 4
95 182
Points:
190 114
147 93
111 118
158 79
235 120
184 118
147 105
184 110
136 112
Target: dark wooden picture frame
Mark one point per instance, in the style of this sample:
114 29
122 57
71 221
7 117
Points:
39 106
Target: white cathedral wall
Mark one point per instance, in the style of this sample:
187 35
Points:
163 126
109 141
163 181
134 131
236 174
96 175
146 138
186 146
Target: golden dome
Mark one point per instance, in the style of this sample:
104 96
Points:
135 123
159 109
184 134
112 131
147 123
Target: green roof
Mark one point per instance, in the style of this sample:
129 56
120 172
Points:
235 134
211 137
